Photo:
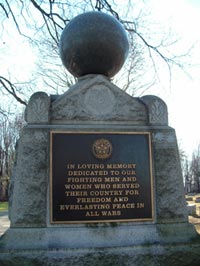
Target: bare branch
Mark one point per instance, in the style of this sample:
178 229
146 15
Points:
50 15
13 16
11 89
48 18
4 9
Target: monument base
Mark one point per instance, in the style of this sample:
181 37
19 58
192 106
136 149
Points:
179 254
158 244
44 231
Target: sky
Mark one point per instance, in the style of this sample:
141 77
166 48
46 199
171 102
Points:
182 95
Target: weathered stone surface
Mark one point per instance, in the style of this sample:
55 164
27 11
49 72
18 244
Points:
152 255
29 180
95 104
170 201
37 111
157 110
95 98
99 46
191 208
98 236
197 200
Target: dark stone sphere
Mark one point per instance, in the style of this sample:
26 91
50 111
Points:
93 43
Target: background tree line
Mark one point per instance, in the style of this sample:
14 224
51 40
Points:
191 172
9 134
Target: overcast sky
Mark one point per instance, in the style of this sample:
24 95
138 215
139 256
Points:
183 97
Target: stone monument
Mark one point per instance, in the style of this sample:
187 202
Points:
97 178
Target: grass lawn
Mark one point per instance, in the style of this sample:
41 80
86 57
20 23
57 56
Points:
3 206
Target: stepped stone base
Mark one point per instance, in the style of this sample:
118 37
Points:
146 255
96 236
158 244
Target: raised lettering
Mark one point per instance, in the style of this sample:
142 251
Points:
111 213
92 213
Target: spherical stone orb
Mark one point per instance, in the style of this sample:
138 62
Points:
93 43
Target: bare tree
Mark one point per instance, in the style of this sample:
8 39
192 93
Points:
195 169
10 129
187 176
191 171
41 23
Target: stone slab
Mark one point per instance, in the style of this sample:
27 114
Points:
100 235
4 222
151 255
95 98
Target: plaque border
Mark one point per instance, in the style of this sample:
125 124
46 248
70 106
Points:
148 133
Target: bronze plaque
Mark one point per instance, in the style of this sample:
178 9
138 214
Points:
101 177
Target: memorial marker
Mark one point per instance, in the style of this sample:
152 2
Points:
101 177
97 178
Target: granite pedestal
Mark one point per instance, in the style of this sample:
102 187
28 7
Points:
96 105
